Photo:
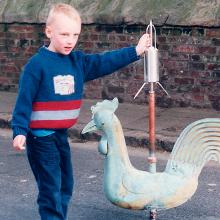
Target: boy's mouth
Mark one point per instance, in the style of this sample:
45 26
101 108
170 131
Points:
68 48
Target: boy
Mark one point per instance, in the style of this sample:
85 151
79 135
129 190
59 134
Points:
48 103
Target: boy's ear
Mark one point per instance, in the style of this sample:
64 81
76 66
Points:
48 31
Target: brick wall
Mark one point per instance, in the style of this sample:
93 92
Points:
189 62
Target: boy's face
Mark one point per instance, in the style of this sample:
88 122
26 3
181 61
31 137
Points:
63 33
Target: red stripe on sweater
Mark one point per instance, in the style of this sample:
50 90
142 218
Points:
58 105
53 124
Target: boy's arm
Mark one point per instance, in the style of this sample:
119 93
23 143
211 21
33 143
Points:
28 86
97 65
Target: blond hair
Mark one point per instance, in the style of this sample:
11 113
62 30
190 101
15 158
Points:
62 8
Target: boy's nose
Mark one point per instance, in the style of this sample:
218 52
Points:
70 40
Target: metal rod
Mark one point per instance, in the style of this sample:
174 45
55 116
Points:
163 89
151 31
152 148
140 90
153 214
145 67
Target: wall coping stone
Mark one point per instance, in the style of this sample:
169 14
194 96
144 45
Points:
119 12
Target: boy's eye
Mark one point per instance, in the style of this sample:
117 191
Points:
76 35
67 35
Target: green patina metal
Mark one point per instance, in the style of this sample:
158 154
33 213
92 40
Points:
127 187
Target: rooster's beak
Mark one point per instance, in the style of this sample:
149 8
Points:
91 126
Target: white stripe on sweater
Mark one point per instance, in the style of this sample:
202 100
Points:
55 115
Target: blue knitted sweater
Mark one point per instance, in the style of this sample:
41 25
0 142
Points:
51 86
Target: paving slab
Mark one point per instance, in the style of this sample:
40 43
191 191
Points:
134 119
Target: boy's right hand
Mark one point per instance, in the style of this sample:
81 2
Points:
18 142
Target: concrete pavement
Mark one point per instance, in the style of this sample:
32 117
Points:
134 119
19 192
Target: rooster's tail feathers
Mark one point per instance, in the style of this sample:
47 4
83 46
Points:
198 143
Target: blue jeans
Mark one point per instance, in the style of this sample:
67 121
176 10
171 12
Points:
50 161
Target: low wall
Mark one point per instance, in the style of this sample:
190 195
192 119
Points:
189 61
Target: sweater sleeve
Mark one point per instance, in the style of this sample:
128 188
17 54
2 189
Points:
28 87
98 65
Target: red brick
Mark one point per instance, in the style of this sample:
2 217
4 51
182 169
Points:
175 64
198 98
161 39
111 37
3 80
206 50
196 66
179 56
94 37
121 38
103 37
134 86
213 32
196 90
84 36
3 52
9 69
184 49
88 44
184 81
122 44
208 82
14 49
25 35
213 66
214 97
163 55
21 28
164 47
31 50
2 35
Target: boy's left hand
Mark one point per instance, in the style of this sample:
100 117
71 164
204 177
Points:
143 44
